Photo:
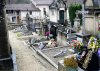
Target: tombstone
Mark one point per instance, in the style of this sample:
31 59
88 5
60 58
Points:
83 36
77 22
28 20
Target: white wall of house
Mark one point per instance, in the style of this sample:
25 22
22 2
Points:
11 18
53 15
35 14
41 7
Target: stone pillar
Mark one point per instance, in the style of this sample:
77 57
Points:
4 43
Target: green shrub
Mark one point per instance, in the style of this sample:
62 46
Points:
72 12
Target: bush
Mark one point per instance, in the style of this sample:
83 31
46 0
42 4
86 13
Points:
72 12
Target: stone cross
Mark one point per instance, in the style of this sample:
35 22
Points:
83 12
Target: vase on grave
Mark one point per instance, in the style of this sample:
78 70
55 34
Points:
70 69
77 46
83 38
70 64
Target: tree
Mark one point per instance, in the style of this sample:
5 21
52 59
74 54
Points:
72 12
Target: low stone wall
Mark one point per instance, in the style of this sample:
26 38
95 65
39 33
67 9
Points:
12 26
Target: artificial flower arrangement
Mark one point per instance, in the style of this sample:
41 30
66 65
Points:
70 63
77 45
93 43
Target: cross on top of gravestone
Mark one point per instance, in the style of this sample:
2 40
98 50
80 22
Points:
83 12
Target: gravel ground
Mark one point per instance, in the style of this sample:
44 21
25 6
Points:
27 60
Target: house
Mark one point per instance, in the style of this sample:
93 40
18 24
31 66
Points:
47 14
60 7
43 5
63 17
16 13
92 19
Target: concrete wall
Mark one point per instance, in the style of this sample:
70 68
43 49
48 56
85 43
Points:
61 39
91 23
53 15
9 18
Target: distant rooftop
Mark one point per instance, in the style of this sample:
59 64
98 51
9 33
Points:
69 2
74 1
17 1
22 7
43 2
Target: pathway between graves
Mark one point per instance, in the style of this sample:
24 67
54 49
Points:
28 60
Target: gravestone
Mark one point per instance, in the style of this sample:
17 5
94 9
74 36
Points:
83 36
77 22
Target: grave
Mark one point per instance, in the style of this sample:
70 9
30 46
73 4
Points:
76 23
53 55
83 36
25 29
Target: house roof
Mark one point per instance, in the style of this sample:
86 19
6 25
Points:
22 7
53 4
17 1
96 4
43 2
69 2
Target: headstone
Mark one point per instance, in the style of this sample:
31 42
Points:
41 45
83 36
76 22
83 12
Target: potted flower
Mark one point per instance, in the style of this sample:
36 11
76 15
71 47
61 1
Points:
77 46
71 64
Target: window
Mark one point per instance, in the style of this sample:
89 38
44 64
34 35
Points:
18 12
9 11
52 12
13 19
44 10
30 12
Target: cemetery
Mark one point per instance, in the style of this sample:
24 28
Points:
69 45
74 49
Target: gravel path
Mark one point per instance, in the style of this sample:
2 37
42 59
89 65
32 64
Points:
26 59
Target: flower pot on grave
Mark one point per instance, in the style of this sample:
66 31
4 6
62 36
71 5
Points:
70 64
76 50
71 69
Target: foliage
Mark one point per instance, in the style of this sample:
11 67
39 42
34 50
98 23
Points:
70 62
72 12
98 43
94 43
77 45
